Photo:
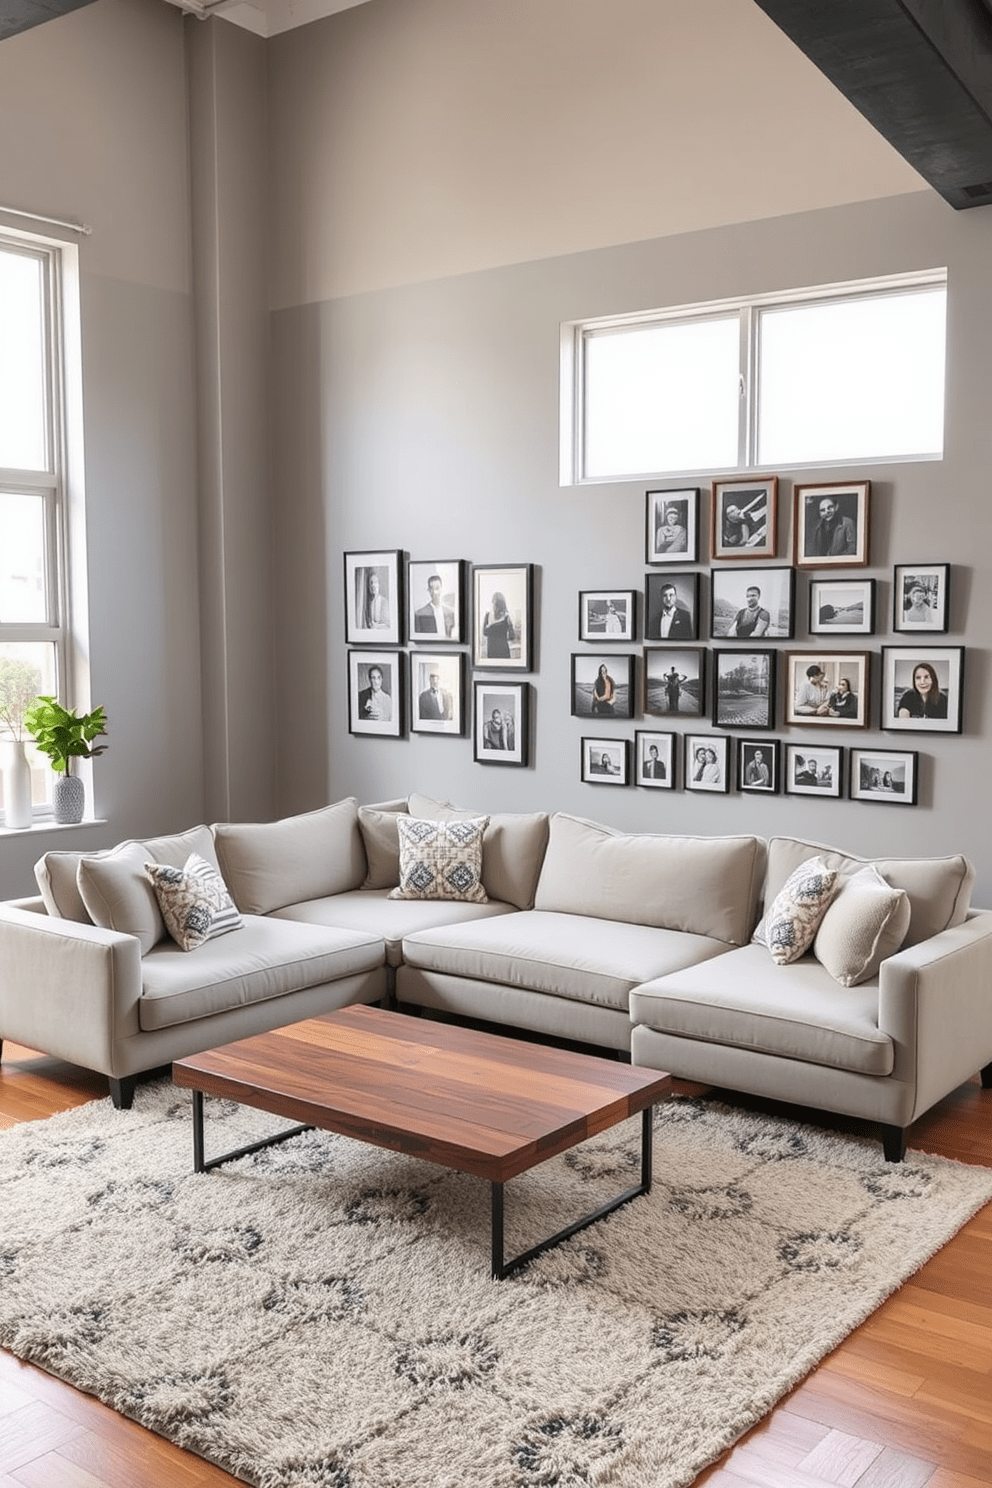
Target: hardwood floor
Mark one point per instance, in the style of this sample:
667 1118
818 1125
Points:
905 1400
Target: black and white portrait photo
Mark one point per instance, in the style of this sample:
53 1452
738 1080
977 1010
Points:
828 688
435 595
922 688
751 604
654 754
672 526
742 518
602 686
812 771
671 606
606 761
501 722
373 599
920 597
436 693
502 598
885 775
375 697
831 525
707 763
758 765
674 680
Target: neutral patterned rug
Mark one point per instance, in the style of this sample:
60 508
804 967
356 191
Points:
320 1315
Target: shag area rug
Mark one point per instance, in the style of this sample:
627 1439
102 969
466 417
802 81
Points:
320 1315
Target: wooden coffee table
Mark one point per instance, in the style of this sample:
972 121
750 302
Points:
476 1102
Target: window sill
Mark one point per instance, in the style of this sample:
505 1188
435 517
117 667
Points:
52 826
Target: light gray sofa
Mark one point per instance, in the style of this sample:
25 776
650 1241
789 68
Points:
641 943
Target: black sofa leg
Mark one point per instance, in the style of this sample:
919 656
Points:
986 1076
122 1092
894 1143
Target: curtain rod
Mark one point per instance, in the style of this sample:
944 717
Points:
79 227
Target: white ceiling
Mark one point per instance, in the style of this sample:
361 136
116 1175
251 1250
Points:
266 17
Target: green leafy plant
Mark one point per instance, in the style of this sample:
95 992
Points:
19 683
65 735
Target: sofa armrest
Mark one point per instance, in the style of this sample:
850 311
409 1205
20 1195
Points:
66 989
935 1002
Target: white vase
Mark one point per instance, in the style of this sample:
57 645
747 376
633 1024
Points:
16 787
68 799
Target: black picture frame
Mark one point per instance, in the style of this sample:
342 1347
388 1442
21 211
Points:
842 606
672 526
921 598
814 770
605 761
376 710
706 774
503 616
900 665
602 686
744 688
752 604
665 695
493 743
608 616
440 621
437 709
835 540
373 597
759 766
888 776
682 612
744 518
655 759
838 698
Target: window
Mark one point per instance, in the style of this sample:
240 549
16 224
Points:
840 373
33 593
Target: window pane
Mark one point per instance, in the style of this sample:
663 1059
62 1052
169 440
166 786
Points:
662 397
22 559
22 363
26 669
849 380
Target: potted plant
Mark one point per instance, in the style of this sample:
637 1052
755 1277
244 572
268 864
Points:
19 683
65 735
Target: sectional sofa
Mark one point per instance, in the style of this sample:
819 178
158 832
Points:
668 948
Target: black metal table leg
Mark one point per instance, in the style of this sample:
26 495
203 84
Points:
200 1165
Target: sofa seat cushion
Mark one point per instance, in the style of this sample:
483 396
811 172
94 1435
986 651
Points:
796 1012
574 956
267 958
372 911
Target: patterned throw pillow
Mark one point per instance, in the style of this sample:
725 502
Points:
792 922
194 901
441 859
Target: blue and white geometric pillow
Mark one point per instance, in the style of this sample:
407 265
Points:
791 924
194 901
441 860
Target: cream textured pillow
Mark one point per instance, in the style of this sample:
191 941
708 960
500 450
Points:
441 860
792 921
118 896
380 838
194 901
866 921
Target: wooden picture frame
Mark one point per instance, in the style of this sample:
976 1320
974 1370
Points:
830 524
655 759
505 738
373 597
888 776
502 616
827 688
743 518
672 526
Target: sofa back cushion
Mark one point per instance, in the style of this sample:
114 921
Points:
267 865
939 889
704 885
56 872
512 849
381 840
118 894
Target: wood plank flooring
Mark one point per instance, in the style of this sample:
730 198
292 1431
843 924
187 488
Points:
905 1401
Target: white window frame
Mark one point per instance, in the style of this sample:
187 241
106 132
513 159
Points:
575 334
61 483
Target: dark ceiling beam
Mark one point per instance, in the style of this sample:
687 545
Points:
920 71
21 15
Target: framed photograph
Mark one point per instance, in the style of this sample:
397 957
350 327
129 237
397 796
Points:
607 615
436 600
375 693
812 771
672 526
502 616
706 762
886 775
437 688
502 723
671 606
602 686
675 680
742 519
606 761
744 689
921 597
923 688
842 606
758 766
831 525
828 687
373 598
655 758
751 604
